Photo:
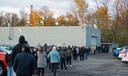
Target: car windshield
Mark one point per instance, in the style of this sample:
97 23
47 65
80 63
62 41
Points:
3 49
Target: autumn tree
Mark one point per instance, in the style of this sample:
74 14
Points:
34 17
81 6
47 16
90 18
61 20
114 26
67 20
50 21
71 20
102 17
120 21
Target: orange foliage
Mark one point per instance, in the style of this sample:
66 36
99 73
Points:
102 17
35 18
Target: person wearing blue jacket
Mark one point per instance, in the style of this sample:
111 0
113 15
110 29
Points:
54 59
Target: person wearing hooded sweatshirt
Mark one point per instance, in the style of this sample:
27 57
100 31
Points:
54 59
16 50
24 62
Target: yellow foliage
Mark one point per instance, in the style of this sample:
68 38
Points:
50 21
61 20
68 20
102 10
102 17
81 4
35 18
81 8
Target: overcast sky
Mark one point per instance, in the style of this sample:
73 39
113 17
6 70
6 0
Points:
59 6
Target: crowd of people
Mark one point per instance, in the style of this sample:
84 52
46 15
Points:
25 60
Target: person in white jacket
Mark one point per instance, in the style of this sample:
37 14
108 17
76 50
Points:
41 61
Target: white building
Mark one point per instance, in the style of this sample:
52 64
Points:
63 35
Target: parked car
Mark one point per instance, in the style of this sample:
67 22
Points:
5 50
113 49
3 64
125 57
116 52
122 53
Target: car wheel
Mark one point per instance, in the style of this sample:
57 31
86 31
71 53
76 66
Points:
1 70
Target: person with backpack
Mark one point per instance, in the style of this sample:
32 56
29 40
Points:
62 58
69 56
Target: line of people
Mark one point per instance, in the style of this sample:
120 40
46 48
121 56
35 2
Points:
26 60
62 56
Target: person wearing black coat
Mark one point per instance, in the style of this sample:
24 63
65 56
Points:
24 62
17 48
74 53
86 51
81 53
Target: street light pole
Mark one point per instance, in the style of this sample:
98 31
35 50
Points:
9 32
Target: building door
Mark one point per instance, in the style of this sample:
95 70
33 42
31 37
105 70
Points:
93 41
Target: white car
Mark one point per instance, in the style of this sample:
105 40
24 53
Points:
125 57
122 53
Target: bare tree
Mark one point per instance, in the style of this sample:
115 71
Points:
44 11
14 20
23 20
1 19
81 7
7 19
10 18
90 18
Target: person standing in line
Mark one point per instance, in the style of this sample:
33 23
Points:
34 53
10 66
16 51
95 50
48 50
24 62
17 48
54 59
62 58
81 53
80 56
74 53
69 56
86 51
41 61
77 49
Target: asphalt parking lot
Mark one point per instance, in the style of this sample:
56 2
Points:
96 65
